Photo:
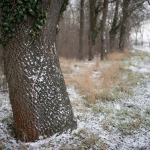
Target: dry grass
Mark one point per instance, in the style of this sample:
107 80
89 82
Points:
83 81
101 80
100 86
116 56
65 65
110 79
87 85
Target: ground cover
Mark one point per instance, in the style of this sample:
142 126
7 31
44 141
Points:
111 102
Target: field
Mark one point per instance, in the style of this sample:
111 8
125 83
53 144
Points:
111 102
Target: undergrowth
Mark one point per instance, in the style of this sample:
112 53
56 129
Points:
108 80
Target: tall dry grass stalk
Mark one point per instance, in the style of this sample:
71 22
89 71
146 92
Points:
110 79
86 84
117 56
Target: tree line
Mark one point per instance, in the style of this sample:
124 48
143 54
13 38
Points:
95 28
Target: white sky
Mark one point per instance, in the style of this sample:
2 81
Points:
145 31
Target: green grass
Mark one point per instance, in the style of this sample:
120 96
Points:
2 147
89 140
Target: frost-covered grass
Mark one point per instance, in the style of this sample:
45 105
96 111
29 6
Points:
111 102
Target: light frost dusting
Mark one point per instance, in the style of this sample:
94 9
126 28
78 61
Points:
120 124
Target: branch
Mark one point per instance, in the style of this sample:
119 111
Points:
97 8
112 1
134 8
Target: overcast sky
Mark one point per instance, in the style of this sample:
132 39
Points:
145 31
146 34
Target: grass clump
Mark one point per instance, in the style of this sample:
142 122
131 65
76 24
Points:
98 109
87 85
110 78
117 56
147 111
89 140
2 147
10 126
128 127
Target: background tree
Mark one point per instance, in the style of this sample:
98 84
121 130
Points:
138 18
124 24
115 26
40 103
95 7
1 54
128 7
1 59
81 36
68 37
91 28
103 31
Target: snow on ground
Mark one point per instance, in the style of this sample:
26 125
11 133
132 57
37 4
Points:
120 124
141 66
143 70
141 48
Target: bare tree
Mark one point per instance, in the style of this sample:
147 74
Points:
69 28
81 38
129 6
115 26
95 8
91 53
124 24
103 30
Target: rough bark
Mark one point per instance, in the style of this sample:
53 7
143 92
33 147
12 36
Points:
124 24
81 30
103 31
1 55
40 103
1 59
91 53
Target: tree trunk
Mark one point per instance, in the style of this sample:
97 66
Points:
142 42
123 25
114 27
103 31
81 30
1 59
136 42
1 55
40 103
91 53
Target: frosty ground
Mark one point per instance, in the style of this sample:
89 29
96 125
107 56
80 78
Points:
116 119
